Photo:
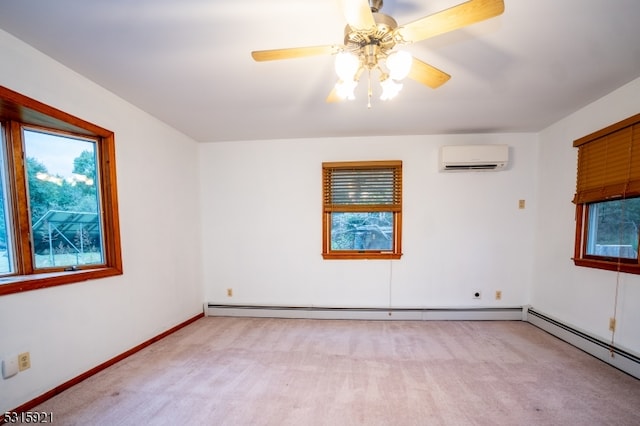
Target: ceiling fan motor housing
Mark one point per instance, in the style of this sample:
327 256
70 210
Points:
381 36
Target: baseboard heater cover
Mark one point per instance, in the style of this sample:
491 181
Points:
615 356
622 359
318 312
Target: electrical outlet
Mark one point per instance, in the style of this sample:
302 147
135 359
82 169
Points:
521 204
477 294
612 324
24 361
498 294
230 292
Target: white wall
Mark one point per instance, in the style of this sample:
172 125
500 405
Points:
71 329
582 297
461 231
260 234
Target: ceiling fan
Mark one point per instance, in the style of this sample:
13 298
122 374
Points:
369 41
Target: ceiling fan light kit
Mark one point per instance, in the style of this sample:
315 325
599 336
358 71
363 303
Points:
399 64
371 36
347 66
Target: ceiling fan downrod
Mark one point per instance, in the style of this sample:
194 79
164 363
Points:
375 5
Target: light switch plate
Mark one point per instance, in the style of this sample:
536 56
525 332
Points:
9 367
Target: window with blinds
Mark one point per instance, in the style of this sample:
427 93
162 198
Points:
362 210
607 197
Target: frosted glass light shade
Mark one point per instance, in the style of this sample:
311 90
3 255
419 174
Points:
399 64
345 89
390 89
346 65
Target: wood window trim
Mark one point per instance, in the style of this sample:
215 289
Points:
581 258
584 197
329 254
16 110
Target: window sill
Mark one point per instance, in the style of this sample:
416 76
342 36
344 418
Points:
630 268
361 256
17 284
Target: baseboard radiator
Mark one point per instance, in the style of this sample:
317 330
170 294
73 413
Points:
615 356
317 312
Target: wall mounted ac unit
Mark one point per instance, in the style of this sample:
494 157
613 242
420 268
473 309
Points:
473 157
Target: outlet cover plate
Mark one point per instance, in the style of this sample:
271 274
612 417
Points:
24 361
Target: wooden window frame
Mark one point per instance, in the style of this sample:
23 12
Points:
590 193
329 208
16 111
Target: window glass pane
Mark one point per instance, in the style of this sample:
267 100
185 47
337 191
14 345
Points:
613 228
63 199
362 231
6 247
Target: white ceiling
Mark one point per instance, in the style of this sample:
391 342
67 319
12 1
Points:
188 63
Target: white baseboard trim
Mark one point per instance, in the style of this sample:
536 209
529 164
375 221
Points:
407 314
615 356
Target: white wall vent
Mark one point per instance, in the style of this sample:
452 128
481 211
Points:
473 157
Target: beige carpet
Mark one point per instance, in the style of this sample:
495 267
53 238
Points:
249 371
